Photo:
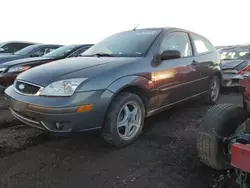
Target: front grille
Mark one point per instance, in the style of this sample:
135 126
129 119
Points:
26 88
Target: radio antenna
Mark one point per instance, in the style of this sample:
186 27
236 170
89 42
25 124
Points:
138 25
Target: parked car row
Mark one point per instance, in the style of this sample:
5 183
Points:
115 84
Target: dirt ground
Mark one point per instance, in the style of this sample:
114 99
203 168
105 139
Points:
164 156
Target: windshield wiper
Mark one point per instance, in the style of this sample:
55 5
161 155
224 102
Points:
98 55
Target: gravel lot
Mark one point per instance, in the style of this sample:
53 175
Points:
163 157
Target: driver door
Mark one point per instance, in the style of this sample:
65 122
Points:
173 77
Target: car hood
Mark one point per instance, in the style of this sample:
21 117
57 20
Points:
80 67
230 64
25 61
5 58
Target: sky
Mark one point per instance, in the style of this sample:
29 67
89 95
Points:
223 22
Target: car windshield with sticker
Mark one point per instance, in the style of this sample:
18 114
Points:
134 43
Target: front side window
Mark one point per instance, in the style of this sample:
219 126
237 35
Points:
177 41
133 43
201 44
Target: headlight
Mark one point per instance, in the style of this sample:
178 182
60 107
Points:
18 68
2 69
62 87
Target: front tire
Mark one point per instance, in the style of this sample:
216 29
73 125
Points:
124 119
221 120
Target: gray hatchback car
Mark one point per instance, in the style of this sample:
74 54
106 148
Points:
117 83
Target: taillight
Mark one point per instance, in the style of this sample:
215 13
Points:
245 70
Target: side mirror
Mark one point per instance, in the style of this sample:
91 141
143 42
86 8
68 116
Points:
170 54
1 50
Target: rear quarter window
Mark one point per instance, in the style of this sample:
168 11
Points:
201 44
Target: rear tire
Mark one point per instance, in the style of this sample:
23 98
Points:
213 93
220 120
116 115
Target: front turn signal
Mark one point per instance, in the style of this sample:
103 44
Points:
85 108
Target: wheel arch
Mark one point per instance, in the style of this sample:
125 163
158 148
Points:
141 92
134 84
218 72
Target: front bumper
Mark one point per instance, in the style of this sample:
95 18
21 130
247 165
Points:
231 80
48 112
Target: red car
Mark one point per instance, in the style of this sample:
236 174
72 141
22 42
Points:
223 141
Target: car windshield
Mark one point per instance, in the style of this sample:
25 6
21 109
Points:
133 43
60 52
25 50
235 53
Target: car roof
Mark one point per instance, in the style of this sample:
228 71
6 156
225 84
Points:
80 45
170 29
15 41
161 28
40 45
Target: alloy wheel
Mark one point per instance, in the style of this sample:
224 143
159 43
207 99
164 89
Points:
215 90
129 120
